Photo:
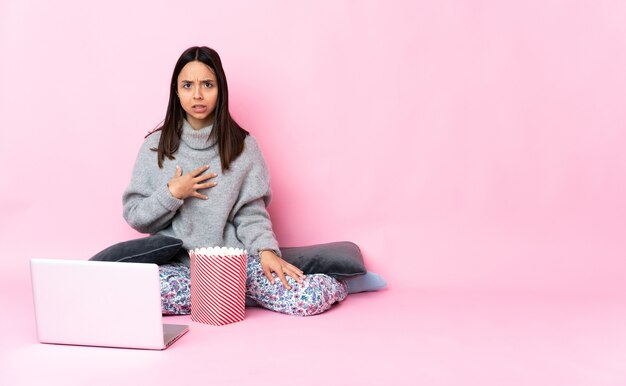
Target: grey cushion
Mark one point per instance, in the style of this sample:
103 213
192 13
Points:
156 249
341 259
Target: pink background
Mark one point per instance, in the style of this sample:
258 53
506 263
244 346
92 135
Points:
459 143
468 147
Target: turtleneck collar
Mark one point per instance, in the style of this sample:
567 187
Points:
197 139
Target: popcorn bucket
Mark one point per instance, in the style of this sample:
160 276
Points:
218 285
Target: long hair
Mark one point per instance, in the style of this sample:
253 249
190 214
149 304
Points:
228 134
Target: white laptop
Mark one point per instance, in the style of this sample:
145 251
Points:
97 303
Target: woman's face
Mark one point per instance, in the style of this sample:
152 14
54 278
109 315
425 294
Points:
197 92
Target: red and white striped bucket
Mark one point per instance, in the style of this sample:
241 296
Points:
218 285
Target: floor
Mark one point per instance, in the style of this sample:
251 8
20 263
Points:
400 336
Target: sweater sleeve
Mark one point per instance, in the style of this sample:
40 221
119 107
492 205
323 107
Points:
251 219
148 204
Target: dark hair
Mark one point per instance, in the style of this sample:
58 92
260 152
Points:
228 134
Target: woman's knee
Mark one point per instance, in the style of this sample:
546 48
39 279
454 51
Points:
175 289
320 292
316 294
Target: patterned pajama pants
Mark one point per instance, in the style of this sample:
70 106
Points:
315 295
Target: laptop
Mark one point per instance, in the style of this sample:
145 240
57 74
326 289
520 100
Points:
97 303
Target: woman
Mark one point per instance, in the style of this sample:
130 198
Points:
201 178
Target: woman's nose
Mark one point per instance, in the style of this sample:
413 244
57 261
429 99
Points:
197 93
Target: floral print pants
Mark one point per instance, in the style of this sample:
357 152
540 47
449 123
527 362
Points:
315 295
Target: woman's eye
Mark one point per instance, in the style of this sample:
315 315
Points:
208 84
186 85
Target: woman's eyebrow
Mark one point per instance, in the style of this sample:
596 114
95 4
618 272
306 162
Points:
203 80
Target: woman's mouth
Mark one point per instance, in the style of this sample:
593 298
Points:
199 108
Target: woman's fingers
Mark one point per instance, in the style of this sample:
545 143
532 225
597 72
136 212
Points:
291 270
188 185
198 171
200 196
271 263
298 271
196 174
205 177
199 179
197 187
294 272
268 273
206 185
283 279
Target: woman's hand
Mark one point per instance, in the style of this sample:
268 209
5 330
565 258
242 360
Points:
183 186
270 262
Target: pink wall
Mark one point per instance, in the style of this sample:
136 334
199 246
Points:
460 143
